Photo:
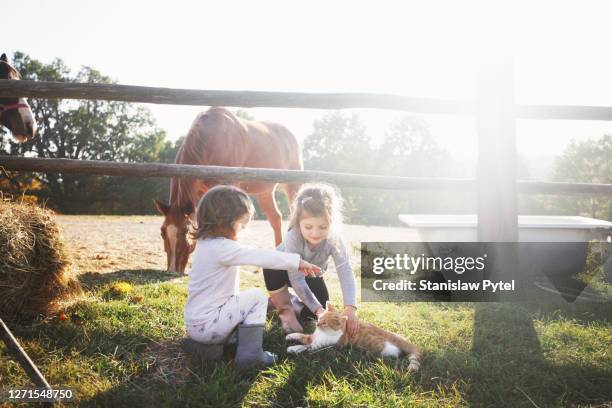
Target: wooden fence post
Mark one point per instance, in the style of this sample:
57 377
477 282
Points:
497 195
496 175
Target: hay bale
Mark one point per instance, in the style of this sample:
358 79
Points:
34 266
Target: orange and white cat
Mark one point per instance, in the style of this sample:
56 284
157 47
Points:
330 331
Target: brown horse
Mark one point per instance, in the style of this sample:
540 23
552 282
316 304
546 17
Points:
15 113
219 138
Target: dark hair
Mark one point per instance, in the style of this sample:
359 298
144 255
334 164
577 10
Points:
218 210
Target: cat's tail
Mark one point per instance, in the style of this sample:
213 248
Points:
410 350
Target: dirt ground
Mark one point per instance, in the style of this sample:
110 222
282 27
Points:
110 243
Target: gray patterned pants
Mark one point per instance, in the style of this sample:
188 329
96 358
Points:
248 307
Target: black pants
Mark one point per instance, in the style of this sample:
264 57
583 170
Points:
277 279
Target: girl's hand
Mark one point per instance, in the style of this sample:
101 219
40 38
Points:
352 322
309 269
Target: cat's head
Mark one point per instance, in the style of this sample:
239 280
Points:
331 319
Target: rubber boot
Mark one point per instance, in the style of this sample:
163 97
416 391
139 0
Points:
212 352
286 314
249 351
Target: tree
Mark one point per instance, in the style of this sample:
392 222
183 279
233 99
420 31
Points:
340 143
91 130
589 161
410 150
408 136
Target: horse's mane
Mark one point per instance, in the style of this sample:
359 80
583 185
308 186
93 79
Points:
12 72
193 150
181 189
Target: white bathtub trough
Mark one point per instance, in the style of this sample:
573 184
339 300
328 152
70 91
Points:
532 228
560 255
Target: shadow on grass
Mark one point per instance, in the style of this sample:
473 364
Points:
86 339
93 280
583 312
505 367
508 367
145 372
179 381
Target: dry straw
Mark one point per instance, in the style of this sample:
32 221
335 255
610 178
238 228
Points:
34 266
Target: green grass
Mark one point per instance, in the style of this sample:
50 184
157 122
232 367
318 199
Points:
121 349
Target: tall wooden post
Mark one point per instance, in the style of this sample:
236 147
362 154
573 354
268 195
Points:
497 196
496 177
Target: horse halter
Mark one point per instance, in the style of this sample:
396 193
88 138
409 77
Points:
12 106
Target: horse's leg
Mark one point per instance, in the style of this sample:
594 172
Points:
268 206
291 190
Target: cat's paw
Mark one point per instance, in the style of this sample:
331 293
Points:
300 348
413 367
293 336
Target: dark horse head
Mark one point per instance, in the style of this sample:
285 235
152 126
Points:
15 113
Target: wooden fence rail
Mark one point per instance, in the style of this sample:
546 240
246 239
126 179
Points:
230 174
246 99
250 99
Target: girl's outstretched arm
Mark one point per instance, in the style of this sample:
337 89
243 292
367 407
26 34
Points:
231 253
299 285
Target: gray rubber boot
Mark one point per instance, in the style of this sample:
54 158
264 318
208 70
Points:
249 351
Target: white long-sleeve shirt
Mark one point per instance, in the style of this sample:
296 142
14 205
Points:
215 277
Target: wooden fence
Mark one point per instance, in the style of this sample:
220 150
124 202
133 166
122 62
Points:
229 174
251 99
494 109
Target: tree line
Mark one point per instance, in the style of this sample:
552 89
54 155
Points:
339 141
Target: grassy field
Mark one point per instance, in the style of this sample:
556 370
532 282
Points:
121 347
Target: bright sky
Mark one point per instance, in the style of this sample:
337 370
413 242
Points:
561 52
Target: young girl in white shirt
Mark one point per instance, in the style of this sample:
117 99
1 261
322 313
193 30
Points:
214 304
